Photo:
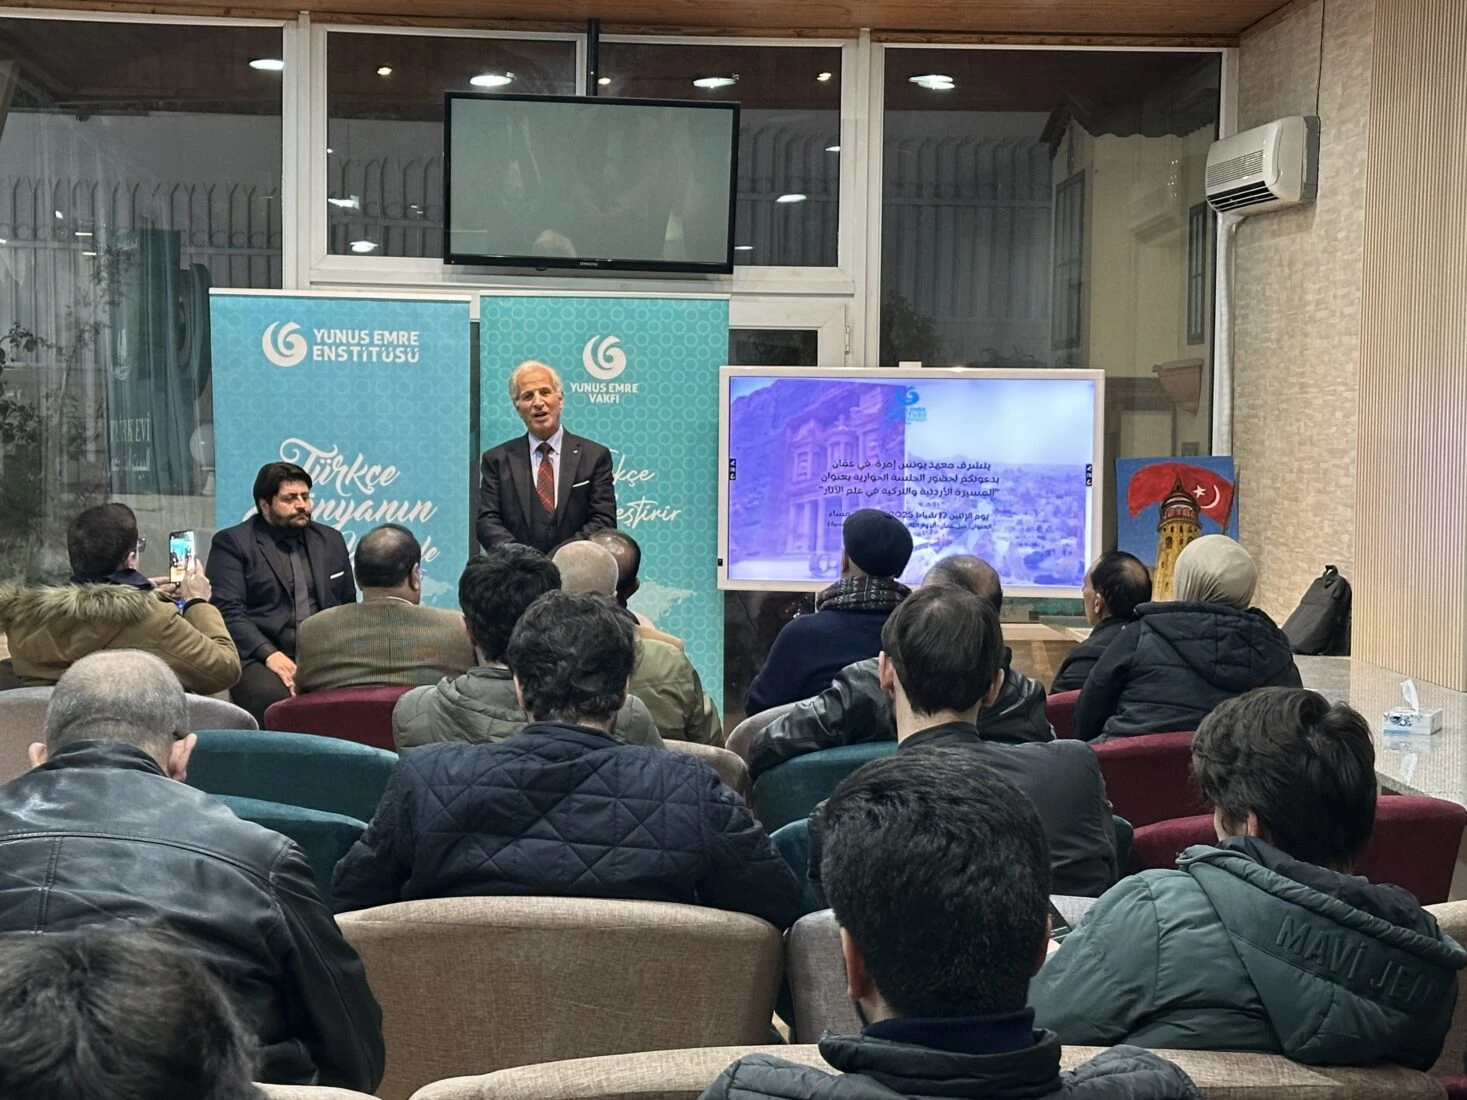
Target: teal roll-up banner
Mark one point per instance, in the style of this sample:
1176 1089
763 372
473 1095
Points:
370 395
641 377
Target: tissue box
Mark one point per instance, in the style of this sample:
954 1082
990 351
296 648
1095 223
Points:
1403 720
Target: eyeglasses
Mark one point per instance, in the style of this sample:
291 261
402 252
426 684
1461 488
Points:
142 544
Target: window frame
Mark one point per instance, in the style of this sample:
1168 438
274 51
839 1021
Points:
870 296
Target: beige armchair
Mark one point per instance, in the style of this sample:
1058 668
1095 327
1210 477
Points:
684 1074
1452 917
730 768
309 1092
472 985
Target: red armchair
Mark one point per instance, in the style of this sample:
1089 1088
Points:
1148 778
1414 844
1060 710
360 714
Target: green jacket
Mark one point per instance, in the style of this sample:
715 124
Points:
481 705
1245 948
666 681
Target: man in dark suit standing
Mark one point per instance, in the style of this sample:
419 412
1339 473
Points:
270 573
548 486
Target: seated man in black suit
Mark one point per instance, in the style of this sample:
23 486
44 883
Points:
565 807
548 486
1116 585
269 574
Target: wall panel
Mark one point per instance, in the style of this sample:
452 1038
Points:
1411 524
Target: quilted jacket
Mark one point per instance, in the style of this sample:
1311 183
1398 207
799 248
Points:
1179 660
565 811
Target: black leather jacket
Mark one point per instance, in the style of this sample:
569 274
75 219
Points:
854 710
100 836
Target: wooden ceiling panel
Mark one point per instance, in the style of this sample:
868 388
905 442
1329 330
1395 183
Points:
1200 21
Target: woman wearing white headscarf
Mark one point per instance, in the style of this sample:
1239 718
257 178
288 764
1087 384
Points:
1181 658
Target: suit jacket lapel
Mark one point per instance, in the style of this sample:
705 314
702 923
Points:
570 463
266 543
316 549
519 471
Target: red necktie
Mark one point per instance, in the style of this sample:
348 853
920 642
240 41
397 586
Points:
545 480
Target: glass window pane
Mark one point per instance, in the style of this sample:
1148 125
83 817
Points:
384 155
139 166
1039 209
788 202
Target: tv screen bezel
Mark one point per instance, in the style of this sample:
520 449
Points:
1095 521
584 263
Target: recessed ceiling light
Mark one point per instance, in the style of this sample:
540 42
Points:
3 241
832 148
364 246
934 82
60 216
603 80
88 253
81 233
793 197
351 202
329 150
492 80
823 77
743 248
267 64
716 81
385 70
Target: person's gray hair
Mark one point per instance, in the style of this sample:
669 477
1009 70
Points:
587 568
117 695
533 364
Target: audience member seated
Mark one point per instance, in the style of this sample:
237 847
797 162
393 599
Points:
1116 585
628 554
940 662
663 677
388 638
1264 942
810 651
117 1016
494 590
99 835
1167 671
938 875
565 807
854 709
110 605
270 574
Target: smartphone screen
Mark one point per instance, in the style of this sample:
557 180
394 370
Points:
180 554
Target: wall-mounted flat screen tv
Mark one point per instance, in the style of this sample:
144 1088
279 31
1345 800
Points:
592 183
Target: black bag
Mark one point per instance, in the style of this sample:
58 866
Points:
1320 625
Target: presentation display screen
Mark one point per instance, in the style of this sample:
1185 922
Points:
586 182
1001 464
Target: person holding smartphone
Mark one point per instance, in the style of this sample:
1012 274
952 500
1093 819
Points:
108 604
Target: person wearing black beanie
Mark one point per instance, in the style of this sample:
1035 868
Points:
849 615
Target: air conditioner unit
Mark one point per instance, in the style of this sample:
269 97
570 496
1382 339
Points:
1265 168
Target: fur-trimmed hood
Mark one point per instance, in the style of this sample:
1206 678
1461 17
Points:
102 604
58 624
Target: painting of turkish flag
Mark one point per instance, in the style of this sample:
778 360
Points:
1142 484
